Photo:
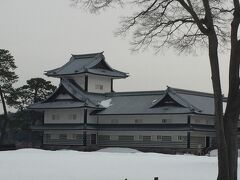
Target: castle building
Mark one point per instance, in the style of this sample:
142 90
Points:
85 112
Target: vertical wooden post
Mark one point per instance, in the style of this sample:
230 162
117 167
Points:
188 133
111 85
85 126
86 83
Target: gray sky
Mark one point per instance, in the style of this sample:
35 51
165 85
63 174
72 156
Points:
42 34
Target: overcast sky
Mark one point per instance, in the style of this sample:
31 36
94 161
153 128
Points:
42 35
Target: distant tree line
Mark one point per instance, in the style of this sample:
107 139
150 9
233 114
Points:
35 90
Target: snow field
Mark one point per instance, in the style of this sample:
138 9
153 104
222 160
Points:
108 164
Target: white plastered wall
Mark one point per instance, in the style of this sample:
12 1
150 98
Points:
63 116
199 119
94 80
79 79
142 119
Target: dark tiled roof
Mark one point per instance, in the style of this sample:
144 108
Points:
143 103
134 103
87 63
64 104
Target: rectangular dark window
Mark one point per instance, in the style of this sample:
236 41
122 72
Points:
93 139
63 136
99 86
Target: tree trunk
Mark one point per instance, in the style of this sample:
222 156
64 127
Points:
230 123
232 110
5 120
35 95
223 171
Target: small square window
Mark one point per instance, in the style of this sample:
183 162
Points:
63 136
72 117
164 120
138 121
55 117
179 138
99 86
159 138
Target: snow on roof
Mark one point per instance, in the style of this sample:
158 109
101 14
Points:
141 103
106 103
129 103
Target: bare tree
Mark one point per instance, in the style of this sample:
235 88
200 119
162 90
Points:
187 25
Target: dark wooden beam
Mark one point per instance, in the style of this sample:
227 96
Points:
86 82
111 85
85 127
188 133
84 138
85 116
188 140
189 121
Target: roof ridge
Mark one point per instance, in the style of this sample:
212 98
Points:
137 92
86 55
193 92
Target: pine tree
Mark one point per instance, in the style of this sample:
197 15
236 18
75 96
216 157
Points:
7 78
36 90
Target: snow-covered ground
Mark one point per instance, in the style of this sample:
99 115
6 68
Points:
32 164
119 150
214 153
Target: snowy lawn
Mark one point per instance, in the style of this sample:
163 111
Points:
32 164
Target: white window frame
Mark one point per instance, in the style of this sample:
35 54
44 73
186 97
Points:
177 138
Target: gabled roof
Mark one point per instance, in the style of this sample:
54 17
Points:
79 98
172 98
87 63
144 103
132 103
